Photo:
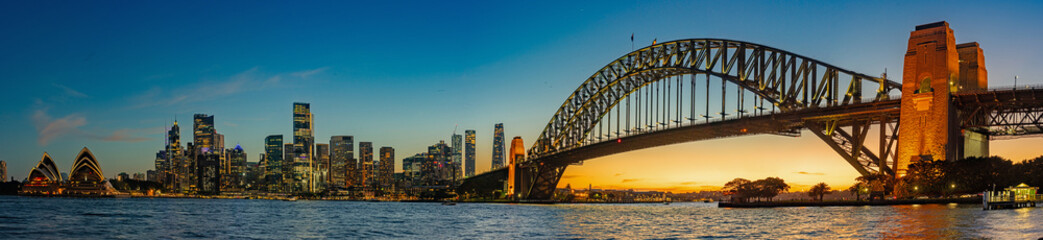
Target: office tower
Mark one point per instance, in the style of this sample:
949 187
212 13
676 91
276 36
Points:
436 169
365 164
273 152
150 175
342 157
387 168
161 160
458 149
288 183
208 172
219 142
516 155
497 161
411 168
303 143
3 171
236 169
321 171
175 155
203 132
469 141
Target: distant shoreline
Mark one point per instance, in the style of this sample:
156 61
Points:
971 200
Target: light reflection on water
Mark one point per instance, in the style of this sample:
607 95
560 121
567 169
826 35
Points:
35 218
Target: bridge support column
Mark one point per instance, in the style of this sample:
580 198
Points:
544 181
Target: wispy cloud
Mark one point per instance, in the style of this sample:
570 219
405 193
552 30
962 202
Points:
619 174
810 173
309 73
630 180
688 183
252 79
69 91
48 128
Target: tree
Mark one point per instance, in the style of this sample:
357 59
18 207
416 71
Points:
819 190
770 187
858 189
738 188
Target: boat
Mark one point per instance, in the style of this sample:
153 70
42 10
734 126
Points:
449 203
290 199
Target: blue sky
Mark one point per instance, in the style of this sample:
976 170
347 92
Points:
112 75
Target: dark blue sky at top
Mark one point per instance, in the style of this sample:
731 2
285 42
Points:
112 75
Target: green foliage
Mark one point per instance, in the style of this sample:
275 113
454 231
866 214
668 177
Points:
742 190
819 190
970 176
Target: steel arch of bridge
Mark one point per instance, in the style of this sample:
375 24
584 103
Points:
789 81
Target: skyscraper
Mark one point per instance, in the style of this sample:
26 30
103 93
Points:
469 142
203 132
497 161
411 168
3 171
236 169
208 173
288 162
342 157
436 170
458 154
321 170
303 143
273 152
171 170
365 164
387 168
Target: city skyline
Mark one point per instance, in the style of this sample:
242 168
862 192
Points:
93 102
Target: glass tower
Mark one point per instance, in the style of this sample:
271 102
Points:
303 144
342 157
273 152
469 142
458 141
365 164
498 143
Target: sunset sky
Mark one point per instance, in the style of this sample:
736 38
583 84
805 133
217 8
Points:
113 76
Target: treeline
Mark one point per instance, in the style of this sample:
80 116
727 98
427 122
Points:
968 176
742 190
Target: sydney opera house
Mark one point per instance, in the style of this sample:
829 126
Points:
85 179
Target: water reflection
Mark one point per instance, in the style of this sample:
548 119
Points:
34 218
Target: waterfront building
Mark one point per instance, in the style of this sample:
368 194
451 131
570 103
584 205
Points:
3 171
150 175
437 168
411 168
365 164
469 143
387 168
203 132
321 170
236 170
342 158
273 152
170 170
497 159
86 176
208 171
44 178
303 142
458 145
288 182
122 176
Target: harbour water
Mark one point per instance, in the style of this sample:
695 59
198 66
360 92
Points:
145 218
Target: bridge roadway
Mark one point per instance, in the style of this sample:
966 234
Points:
1000 112
784 123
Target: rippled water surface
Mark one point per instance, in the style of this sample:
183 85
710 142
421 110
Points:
143 218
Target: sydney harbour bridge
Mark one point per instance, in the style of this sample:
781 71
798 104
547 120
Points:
699 89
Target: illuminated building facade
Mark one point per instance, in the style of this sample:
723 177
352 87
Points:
171 168
343 164
411 168
237 169
86 177
273 153
365 164
469 141
287 167
208 172
3 171
321 168
303 143
497 160
437 168
44 178
458 144
203 132
935 68
386 175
